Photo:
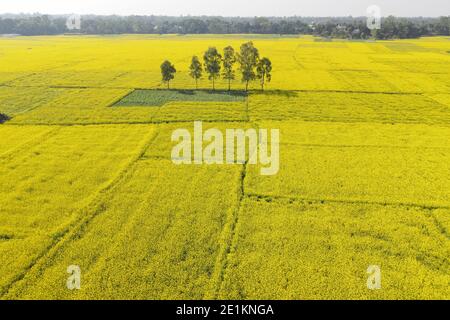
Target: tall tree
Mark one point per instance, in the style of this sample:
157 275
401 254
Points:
212 60
195 70
229 59
248 59
168 72
263 71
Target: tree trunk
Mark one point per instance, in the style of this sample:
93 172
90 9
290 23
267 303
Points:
229 84
168 85
196 83
214 88
246 86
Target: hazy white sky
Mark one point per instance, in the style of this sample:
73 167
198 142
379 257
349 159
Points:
230 7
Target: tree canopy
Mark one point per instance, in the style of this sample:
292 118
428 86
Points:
212 59
263 71
339 27
229 59
195 70
167 72
248 58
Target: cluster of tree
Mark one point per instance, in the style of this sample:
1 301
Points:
251 66
341 27
32 25
391 28
403 28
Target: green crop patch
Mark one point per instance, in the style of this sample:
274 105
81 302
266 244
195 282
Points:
157 98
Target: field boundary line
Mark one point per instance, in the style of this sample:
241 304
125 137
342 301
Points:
37 140
68 87
315 145
439 226
120 75
121 123
227 239
100 261
9 123
19 124
348 201
113 103
94 206
356 121
247 112
417 93
22 76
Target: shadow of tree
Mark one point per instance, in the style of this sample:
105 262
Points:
234 93
280 93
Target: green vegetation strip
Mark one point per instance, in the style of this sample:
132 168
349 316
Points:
160 97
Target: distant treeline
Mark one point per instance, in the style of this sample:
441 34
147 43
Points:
343 27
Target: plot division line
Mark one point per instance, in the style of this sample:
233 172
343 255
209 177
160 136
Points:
228 239
94 207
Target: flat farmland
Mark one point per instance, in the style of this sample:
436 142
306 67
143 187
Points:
86 176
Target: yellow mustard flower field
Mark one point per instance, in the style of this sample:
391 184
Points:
86 176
